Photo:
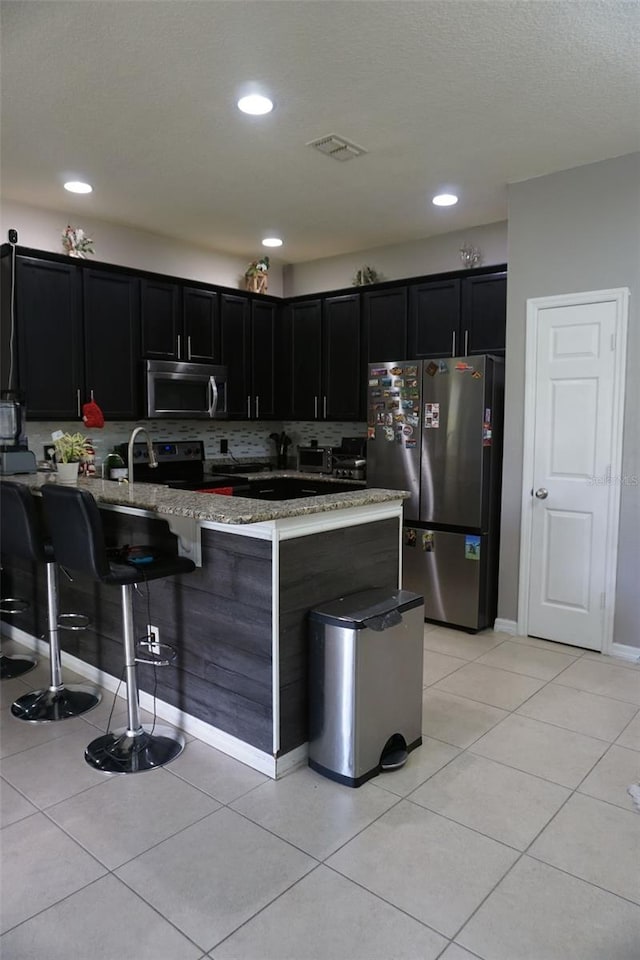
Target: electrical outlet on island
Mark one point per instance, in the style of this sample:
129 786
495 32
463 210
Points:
153 635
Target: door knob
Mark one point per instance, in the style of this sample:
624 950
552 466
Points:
542 493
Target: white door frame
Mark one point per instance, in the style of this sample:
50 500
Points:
620 296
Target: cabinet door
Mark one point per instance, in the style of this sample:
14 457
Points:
304 359
49 338
341 395
484 313
201 326
161 330
263 359
385 324
236 355
434 318
111 342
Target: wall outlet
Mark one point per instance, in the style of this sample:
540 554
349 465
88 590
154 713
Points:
224 446
153 635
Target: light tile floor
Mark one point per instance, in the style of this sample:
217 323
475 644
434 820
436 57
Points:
508 835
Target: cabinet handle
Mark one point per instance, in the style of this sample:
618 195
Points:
179 346
78 400
249 408
257 407
91 392
453 344
466 343
315 407
189 347
324 407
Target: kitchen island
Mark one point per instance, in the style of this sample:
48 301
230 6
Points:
238 622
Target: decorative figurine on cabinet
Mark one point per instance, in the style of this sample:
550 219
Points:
75 242
257 275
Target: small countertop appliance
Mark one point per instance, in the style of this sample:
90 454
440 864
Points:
15 457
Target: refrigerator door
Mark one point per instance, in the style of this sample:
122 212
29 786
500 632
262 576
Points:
393 429
456 436
447 568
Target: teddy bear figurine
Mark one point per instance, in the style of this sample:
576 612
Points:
257 275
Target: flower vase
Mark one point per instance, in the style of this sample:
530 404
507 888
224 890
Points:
67 472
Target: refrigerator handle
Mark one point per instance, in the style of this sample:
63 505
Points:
466 343
315 407
453 344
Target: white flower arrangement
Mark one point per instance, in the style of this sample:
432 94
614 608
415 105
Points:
75 242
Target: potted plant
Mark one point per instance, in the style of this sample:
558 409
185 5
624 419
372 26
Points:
70 451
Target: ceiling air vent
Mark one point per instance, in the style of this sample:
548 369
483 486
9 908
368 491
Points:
336 147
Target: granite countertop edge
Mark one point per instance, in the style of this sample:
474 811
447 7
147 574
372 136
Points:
215 508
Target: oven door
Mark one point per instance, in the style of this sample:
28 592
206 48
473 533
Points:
186 390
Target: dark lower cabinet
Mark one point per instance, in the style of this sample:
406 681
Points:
49 336
385 324
111 343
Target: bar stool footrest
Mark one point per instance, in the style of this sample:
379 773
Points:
48 705
10 605
73 621
156 654
124 752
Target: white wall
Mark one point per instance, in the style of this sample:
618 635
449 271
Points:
421 257
574 231
128 247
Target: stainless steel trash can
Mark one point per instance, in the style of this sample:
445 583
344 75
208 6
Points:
365 683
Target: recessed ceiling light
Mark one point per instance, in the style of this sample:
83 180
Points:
272 242
445 200
77 186
255 104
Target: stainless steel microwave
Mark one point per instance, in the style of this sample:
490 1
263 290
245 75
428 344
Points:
315 459
189 391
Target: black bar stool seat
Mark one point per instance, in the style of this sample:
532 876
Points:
23 536
78 538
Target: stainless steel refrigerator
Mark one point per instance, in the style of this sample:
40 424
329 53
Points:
435 429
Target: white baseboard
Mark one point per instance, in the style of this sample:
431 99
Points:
225 742
506 626
624 651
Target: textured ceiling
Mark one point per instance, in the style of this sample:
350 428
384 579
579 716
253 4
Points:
138 97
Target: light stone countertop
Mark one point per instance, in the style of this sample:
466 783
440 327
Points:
221 509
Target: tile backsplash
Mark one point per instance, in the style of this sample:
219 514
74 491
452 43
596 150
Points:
246 440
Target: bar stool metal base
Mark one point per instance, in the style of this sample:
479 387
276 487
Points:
48 705
125 752
12 667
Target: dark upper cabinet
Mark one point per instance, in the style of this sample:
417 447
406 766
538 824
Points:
341 358
304 359
235 339
200 341
484 313
458 316
160 320
264 358
49 336
324 359
385 324
434 319
111 304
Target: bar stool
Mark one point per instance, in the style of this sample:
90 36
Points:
78 538
22 536
14 666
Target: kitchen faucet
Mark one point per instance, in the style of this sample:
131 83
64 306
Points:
152 458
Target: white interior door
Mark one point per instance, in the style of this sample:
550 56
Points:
573 438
